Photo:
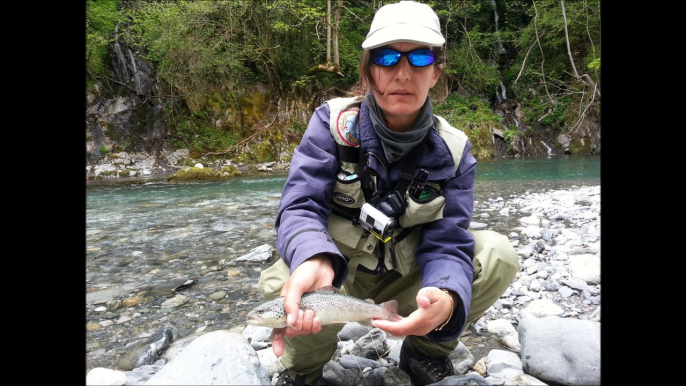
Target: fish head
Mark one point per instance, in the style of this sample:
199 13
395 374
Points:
269 314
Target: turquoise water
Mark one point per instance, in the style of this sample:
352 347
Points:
557 167
137 204
558 170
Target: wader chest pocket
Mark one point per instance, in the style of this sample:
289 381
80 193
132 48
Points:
423 211
348 191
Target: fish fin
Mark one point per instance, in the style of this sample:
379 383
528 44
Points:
392 308
328 288
370 301
292 327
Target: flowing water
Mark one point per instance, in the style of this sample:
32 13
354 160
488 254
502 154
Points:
147 235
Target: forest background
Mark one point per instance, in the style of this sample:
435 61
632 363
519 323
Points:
241 78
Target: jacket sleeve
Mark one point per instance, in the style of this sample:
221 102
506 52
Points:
446 251
302 218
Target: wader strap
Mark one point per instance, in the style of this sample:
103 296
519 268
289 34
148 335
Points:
365 179
396 240
347 153
404 179
407 174
352 214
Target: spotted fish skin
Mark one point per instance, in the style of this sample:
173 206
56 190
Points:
329 306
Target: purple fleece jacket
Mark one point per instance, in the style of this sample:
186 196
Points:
446 247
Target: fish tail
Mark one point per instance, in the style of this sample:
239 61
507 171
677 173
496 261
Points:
392 308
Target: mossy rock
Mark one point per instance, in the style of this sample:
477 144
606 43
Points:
193 173
580 146
231 170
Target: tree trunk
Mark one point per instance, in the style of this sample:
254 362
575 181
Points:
328 32
336 57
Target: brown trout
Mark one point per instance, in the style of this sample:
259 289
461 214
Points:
329 306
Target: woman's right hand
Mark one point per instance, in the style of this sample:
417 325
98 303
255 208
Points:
314 273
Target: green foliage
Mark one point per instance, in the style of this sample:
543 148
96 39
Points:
473 116
543 112
473 76
193 44
461 111
208 55
298 127
509 135
302 81
594 65
104 150
548 63
101 18
196 136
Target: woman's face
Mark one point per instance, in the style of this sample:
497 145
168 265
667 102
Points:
403 88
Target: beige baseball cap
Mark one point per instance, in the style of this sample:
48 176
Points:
406 21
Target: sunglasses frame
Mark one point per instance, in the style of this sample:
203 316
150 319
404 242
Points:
406 54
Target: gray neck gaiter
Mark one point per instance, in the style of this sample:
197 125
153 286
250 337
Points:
398 144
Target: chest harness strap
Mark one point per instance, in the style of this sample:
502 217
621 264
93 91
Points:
405 179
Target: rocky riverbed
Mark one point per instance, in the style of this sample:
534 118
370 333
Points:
556 234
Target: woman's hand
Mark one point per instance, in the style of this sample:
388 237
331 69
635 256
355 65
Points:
314 273
434 308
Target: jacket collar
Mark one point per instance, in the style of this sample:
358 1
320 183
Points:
437 158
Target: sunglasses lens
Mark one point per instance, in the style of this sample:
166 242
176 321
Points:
386 57
421 57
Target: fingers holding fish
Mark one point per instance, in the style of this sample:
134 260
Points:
296 327
277 341
311 323
431 311
313 273
410 325
292 307
423 300
306 323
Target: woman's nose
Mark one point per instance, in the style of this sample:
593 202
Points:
403 69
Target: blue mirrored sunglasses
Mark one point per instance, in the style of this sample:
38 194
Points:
387 57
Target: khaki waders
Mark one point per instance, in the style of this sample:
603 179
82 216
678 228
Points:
495 265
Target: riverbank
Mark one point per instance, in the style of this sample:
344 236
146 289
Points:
554 298
167 163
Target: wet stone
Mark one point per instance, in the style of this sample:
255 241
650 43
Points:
111 315
218 295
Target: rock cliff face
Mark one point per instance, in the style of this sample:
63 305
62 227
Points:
538 140
124 111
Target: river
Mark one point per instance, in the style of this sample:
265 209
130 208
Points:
147 233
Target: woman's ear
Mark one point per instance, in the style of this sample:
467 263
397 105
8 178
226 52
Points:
438 69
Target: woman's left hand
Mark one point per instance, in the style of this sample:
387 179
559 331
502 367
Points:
434 308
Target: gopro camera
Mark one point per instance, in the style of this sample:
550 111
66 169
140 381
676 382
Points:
380 220
377 223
